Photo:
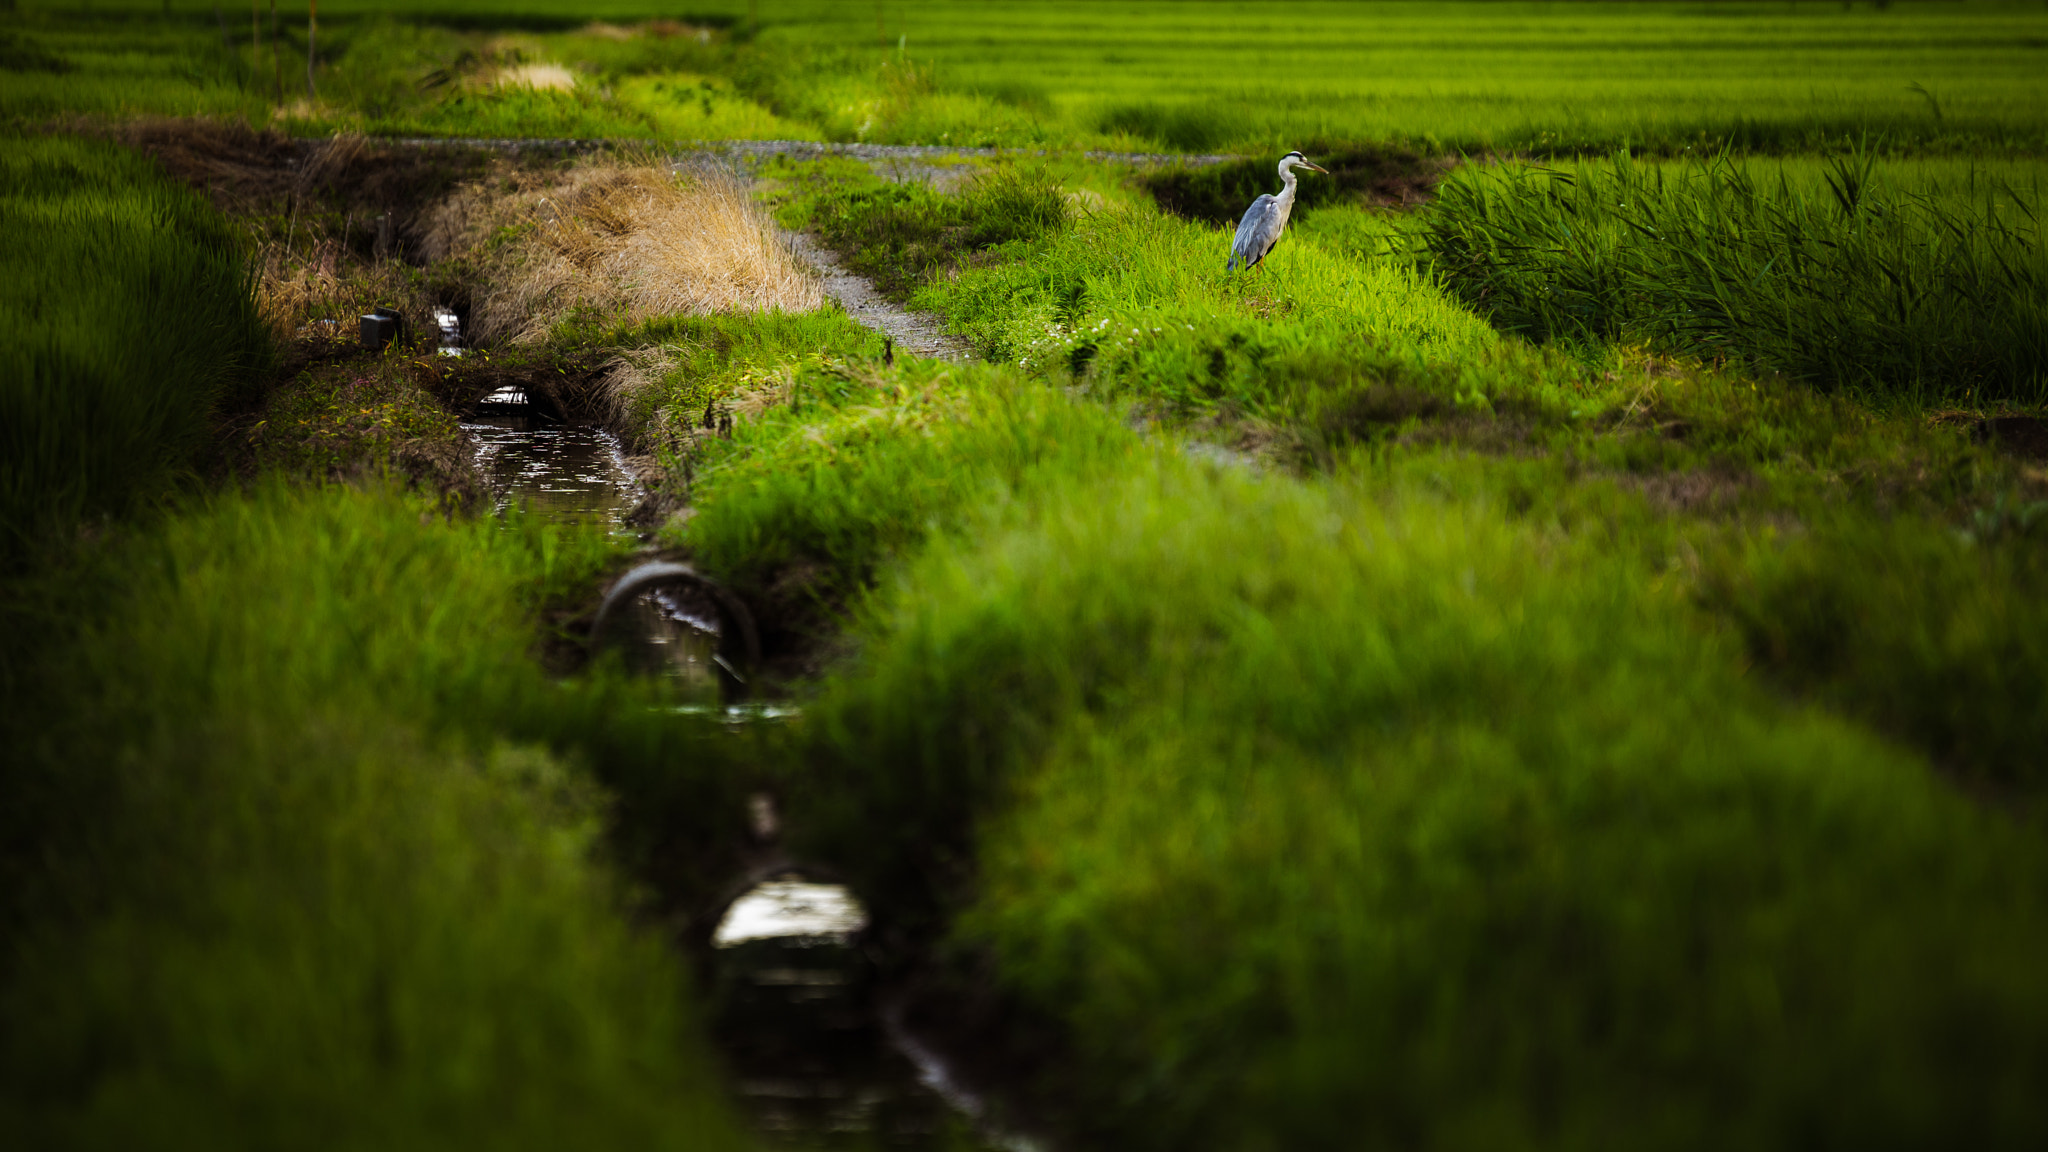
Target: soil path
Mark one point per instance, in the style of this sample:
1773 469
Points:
918 333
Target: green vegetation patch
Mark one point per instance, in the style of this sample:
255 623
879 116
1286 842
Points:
678 375
125 319
353 420
1440 77
1834 273
1929 632
1172 75
1359 330
299 850
1137 304
902 234
846 469
1291 796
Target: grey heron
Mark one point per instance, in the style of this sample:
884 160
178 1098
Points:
1263 221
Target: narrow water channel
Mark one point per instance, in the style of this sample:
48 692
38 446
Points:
795 1008
563 472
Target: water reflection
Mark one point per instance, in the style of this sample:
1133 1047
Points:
792 910
576 474
742 711
812 1060
451 331
667 632
563 472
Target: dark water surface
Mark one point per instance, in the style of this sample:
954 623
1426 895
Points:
566 472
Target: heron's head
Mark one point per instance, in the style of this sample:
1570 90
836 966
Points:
1297 160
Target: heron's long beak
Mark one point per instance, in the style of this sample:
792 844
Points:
1315 167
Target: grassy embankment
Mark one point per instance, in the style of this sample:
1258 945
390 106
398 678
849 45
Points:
300 846
1291 794
1443 775
1544 78
1304 357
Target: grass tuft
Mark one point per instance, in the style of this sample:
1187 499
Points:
636 242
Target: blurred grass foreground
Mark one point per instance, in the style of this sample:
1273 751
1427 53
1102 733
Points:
300 846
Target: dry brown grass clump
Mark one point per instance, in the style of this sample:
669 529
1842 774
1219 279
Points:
318 287
633 241
513 244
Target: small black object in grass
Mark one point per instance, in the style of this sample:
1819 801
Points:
381 326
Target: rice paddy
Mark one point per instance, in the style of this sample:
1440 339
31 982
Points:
1859 283
1553 658
1953 79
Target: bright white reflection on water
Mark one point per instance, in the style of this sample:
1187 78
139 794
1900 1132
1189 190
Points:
791 908
451 331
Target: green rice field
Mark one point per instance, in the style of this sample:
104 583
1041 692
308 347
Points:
1554 658
1953 78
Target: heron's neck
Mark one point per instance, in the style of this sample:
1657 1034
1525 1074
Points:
1287 178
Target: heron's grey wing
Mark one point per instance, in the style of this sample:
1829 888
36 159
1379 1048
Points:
1255 233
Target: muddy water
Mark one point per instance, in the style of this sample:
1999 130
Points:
814 1060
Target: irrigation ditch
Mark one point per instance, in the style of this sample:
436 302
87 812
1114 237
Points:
834 1032
825 1037
816 1044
